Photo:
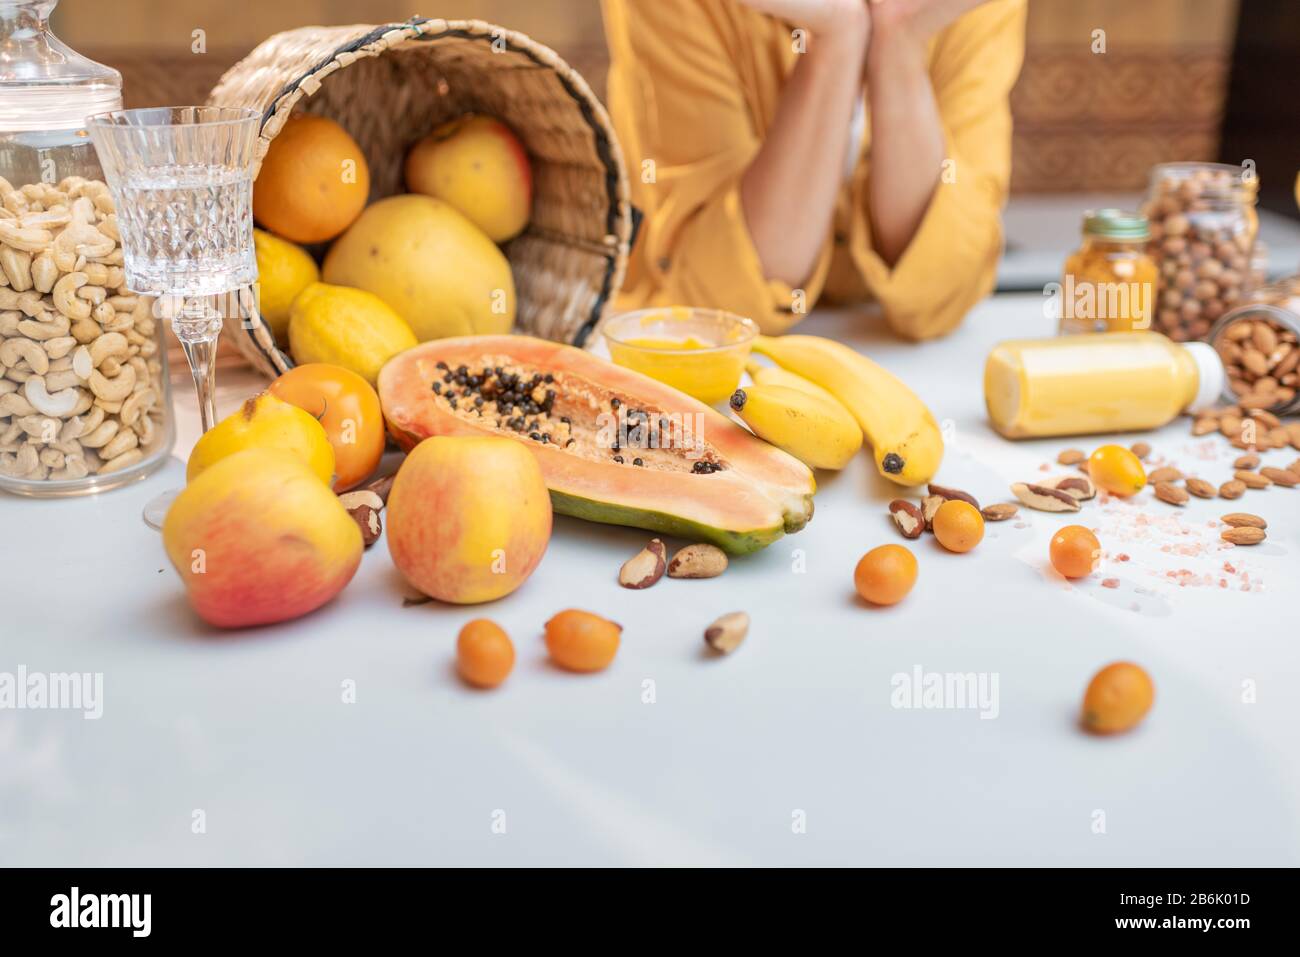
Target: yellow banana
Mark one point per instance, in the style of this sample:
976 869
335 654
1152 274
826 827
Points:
775 375
820 433
904 437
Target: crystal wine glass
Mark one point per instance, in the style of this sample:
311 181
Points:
182 181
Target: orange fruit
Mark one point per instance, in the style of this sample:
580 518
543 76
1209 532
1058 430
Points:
1117 470
313 183
885 574
958 525
580 641
484 653
348 409
1075 551
1118 697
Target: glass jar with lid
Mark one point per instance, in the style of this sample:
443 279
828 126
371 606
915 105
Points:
1203 231
84 399
1109 284
1259 342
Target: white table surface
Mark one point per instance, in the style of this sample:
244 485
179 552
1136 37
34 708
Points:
732 754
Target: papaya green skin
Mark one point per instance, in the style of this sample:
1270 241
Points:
606 513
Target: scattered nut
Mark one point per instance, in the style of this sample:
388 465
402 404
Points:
364 506
907 517
952 493
1044 499
645 567
1201 488
1168 492
1252 479
929 505
1071 457
1281 477
1140 449
1243 520
698 561
1232 489
725 635
1248 461
1166 474
1079 487
999 511
1244 535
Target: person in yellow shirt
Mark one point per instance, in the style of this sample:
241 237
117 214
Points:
783 151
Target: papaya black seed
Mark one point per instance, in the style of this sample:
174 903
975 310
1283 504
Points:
570 442
618 459
535 436
614 403
437 388
638 462
892 463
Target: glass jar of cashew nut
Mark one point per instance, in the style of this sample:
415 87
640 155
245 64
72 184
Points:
84 400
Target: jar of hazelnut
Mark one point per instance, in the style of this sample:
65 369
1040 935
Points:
1259 342
1203 227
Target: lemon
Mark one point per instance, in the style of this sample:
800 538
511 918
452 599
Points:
265 422
346 327
283 271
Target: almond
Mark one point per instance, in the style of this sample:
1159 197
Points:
1045 499
1078 487
1166 474
907 517
645 567
1246 535
999 512
698 561
725 635
1252 479
1232 489
1168 492
1248 461
1204 426
952 493
1201 488
929 505
1243 520
1280 477
1140 449
1071 457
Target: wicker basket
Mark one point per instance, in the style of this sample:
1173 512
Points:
389 85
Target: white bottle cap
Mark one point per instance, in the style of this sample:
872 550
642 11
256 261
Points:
1212 377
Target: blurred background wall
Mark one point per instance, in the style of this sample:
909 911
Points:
1086 120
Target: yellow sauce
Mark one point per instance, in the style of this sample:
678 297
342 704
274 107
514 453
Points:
708 372
1107 382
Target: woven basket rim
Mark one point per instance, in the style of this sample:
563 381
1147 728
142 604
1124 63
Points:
620 217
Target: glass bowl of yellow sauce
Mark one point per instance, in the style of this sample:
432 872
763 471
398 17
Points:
702 352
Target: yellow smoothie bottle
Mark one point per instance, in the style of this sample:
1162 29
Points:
1108 382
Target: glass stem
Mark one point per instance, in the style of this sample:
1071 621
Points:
198 328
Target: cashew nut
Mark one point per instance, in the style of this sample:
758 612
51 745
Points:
66 299
115 389
15 403
139 403
59 346
28 240
77 239
51 329
12 350
74 467
17 266
58 405
111 344
125 460
144 427
101 435
39 427
6 386
124 441
51 457
9 323
85 330
56 381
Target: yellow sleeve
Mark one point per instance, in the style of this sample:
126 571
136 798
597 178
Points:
951 262
677 103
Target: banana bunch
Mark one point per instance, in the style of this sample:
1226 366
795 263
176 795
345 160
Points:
904 437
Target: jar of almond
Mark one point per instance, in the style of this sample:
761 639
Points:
1203 229
1259 342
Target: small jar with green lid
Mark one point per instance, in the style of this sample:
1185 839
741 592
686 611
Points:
1110 282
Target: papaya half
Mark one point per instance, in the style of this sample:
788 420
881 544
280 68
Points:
614 446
